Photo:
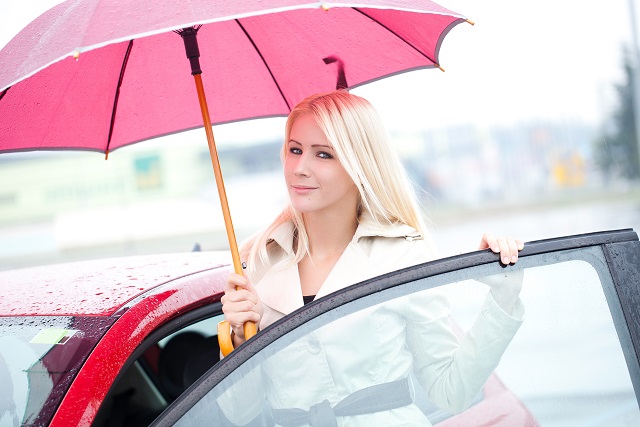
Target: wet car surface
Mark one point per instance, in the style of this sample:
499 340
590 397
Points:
78 324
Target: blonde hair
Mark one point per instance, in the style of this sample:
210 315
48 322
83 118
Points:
361 144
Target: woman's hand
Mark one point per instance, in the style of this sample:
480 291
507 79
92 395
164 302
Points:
240 304
507 247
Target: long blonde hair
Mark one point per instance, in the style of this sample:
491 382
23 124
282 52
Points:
361 144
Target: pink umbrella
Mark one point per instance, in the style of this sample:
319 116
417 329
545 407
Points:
98 75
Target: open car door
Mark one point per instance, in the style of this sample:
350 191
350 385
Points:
574 360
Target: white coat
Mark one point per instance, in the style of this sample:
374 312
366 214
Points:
377 345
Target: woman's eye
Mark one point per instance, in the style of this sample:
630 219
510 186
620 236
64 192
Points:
324 155
294 150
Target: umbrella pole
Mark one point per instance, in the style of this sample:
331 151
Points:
213 152
191 46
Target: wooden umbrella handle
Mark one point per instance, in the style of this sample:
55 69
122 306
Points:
224 338
224 335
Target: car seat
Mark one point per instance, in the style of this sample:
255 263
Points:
173 359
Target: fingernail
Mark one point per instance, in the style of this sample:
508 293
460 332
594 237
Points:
496 249
505 260
514 259
521 246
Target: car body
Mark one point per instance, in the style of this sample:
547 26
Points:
131 341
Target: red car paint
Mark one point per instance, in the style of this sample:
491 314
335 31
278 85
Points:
141 292
97 287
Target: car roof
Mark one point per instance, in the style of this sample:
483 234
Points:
96 287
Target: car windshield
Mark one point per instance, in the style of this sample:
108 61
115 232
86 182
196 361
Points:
39 357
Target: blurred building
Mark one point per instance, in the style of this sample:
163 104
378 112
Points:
469 166
154 197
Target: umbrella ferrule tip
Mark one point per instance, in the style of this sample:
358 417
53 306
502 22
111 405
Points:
325 7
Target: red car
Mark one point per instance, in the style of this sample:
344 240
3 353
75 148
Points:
131 341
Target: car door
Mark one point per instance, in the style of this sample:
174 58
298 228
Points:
573 361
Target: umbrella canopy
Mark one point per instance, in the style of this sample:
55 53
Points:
98 74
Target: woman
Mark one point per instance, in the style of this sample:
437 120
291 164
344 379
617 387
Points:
353 216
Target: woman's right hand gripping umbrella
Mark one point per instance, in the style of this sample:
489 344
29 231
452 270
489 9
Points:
240 304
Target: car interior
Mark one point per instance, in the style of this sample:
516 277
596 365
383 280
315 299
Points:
162 368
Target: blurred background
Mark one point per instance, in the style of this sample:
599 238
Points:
530 131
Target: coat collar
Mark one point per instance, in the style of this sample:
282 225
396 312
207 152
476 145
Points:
280 287
367 227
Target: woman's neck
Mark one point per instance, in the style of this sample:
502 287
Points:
329 235
328 238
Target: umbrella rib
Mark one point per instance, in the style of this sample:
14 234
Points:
115 101
397 35
265 63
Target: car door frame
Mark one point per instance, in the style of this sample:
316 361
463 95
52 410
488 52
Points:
622 254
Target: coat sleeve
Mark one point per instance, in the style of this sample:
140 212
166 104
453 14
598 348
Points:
453 371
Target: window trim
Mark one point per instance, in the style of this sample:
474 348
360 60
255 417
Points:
624 267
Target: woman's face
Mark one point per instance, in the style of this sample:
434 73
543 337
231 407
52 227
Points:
315 179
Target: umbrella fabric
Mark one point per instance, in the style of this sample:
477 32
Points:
130 80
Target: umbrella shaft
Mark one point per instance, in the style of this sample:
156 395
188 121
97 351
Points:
250 328
237 265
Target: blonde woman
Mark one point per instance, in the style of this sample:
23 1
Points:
352 216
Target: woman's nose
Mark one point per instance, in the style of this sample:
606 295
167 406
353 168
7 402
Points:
301 167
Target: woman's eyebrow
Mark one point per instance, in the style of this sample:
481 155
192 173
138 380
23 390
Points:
313 145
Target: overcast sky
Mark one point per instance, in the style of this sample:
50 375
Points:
521 61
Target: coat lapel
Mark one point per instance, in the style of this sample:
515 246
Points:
352 267
280 289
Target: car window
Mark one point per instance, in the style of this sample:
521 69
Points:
162 368
39 358
568 362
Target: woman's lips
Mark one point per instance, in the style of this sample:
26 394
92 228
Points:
302 189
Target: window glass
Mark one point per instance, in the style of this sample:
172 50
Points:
206 327
566 363
441 351
39 357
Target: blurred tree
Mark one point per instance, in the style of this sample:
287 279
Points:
617 149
